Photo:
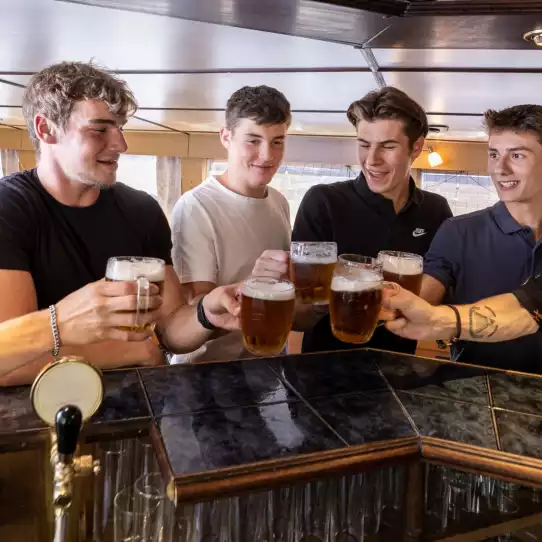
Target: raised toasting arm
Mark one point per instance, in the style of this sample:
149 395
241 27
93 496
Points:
494 319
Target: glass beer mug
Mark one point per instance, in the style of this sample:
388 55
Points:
312 265
267 313
403 268
142 270
356 298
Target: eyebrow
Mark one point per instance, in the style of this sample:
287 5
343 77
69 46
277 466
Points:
260 137
388 141
107 121
513 149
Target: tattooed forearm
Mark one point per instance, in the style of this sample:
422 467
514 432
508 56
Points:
482 322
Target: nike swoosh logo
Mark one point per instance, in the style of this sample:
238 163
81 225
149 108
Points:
417 233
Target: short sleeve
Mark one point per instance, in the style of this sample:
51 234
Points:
530 297
16 236
160 245
194 253
443 258
312 222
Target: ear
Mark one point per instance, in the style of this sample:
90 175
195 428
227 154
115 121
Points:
45 130
225 137
417 148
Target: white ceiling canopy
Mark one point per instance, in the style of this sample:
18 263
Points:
182 72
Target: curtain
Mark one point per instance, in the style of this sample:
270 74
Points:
10 161
168 181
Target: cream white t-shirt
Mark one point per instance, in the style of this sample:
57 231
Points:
217 237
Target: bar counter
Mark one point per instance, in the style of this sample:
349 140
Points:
222 428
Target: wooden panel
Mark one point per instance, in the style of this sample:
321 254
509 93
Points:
309 18
456 156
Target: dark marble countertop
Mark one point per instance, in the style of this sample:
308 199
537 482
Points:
240 419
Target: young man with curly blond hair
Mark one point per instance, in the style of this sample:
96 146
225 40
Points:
61 222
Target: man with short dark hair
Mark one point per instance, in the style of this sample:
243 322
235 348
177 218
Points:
61 222
221 227
382 209
494 251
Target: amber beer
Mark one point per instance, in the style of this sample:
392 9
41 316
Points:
267 313
143 271
356 298
312 265
404 268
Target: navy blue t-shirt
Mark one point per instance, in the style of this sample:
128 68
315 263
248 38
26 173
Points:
480 255
64 248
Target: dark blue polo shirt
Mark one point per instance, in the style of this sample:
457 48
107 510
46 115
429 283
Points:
362 222
480 255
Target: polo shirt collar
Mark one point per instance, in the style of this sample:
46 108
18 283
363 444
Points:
506 222
415 196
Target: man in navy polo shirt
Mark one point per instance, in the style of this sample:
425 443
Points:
496 250
382 209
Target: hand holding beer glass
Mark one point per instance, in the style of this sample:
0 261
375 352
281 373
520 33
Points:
267 313
404 268
356 298
312 265
144 271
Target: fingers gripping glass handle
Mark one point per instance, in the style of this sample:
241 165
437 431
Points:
143 290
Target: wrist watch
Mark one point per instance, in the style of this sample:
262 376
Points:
202 318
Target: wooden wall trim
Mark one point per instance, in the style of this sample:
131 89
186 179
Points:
457 155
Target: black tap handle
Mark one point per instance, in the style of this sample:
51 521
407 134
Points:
68 425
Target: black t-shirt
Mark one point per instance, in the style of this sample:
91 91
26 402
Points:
362 222
65 248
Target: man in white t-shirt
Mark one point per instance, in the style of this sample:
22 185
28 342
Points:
221 227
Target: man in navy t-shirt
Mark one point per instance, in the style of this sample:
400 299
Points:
494 251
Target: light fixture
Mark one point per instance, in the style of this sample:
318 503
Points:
434 158
534 36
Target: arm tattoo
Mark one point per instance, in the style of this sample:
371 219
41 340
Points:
482 322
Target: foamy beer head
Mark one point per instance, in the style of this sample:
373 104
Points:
126 268
312 265
404 268
356 298
267 312
143 270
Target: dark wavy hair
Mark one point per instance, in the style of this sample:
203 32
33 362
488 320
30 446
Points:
262 104
391 103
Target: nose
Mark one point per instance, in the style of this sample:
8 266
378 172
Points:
117 141
373 156
266 152
499 166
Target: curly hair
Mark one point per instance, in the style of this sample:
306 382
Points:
264 105
391 103
521 118
54 91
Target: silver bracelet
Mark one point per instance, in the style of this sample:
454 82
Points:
54 329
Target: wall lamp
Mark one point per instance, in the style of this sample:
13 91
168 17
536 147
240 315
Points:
434 158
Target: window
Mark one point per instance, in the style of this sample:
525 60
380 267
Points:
138 171
293 180
465 192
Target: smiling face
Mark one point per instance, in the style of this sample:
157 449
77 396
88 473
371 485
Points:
515 165
255 152
88 149
385 155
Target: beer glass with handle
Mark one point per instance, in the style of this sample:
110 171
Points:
267 313
356 298
403 268
142 270
312 265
